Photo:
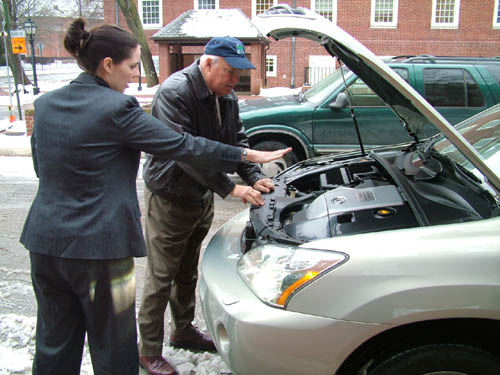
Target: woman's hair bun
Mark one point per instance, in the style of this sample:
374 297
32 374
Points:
89 48
76 37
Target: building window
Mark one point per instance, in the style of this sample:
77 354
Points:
445 14
260 6
496 15
206 4
271 65
150 12
326 8
384 13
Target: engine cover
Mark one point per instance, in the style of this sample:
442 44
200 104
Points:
347 210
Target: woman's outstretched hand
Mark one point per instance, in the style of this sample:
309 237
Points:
266 156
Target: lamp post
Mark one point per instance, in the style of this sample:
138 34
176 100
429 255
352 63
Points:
30 28
139 88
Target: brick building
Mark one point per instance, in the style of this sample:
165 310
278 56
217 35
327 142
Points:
48 42
387 27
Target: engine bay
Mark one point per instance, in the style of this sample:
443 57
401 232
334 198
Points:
327 198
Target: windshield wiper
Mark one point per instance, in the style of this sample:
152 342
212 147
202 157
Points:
457 167
466 172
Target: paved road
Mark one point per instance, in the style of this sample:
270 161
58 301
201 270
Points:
17 190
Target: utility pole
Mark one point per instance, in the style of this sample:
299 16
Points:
4 35
8 44
292 82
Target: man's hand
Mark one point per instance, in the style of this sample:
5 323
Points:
247 195
264 185
266 156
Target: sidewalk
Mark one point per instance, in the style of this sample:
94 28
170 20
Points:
14 142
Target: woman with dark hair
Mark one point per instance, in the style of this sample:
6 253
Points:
83 229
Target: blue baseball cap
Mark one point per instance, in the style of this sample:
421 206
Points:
231 49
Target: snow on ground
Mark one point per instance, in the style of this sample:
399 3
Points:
17 332
17 347
278 91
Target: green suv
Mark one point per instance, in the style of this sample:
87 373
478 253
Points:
328 118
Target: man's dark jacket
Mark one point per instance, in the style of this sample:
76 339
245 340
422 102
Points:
185 103
86 146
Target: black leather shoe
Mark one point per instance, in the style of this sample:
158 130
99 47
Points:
157 365
193 340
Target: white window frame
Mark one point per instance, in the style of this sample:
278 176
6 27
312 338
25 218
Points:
388 25
196 5
254 7
151 25
496 18
274 59
450 25
334 9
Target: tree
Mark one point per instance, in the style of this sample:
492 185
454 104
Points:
9 20
23 9
80 8
2 53
129 10
17 12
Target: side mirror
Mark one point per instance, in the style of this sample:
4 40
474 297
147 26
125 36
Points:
340 102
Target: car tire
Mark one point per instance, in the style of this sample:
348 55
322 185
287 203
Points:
273 168
445 359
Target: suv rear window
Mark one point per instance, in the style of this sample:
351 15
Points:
494 70
448 87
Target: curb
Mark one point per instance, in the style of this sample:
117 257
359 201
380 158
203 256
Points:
15 152
12 145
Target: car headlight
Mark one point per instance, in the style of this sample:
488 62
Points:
275 272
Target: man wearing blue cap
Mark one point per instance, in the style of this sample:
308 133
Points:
179 199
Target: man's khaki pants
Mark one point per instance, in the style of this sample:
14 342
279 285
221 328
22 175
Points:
174 233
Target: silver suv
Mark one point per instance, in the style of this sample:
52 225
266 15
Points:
384 262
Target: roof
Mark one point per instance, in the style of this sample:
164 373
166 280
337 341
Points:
205 24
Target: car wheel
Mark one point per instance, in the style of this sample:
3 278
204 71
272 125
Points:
442 359
273 168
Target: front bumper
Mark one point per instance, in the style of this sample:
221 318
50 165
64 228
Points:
254 338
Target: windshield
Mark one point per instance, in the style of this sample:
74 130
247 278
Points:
320 91
482 132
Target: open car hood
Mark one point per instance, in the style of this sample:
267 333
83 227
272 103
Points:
416 113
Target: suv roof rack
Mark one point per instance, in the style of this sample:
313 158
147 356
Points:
430 59
284 9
